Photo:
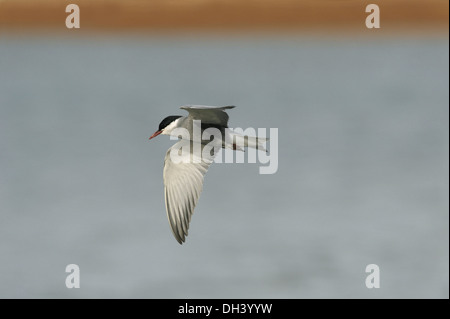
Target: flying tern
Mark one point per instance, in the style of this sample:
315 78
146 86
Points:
183 179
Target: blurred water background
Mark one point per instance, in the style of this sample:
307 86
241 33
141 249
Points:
362 177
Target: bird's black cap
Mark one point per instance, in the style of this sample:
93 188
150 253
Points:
167 121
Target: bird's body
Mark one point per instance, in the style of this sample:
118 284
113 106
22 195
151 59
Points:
183 177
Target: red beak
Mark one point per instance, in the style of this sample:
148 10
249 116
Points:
155 134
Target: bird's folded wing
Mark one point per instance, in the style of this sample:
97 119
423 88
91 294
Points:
208 114
183 183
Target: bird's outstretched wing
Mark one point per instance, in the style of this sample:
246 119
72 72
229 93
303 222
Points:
208 114
183 182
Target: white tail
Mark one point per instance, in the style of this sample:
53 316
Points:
239 141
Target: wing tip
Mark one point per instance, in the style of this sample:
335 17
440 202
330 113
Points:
189 106
180 237
180 240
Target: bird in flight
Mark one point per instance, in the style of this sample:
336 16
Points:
183 177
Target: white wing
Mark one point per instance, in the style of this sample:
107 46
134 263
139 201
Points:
183 183
208 114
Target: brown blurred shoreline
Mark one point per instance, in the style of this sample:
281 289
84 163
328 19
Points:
226 15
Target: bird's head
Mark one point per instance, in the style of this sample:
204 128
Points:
166 126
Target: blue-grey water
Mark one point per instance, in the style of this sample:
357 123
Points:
362 177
